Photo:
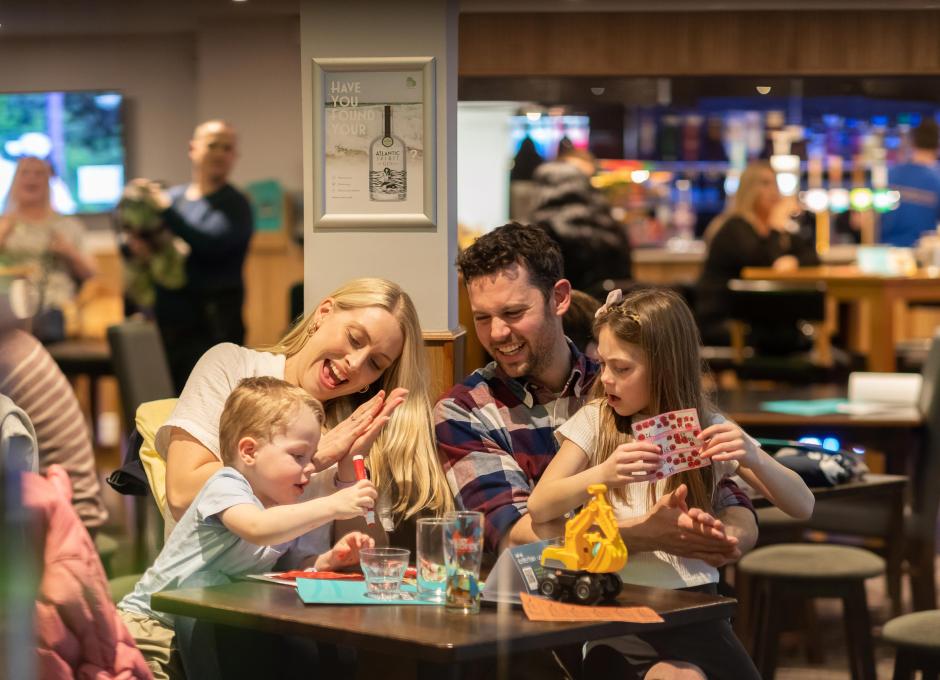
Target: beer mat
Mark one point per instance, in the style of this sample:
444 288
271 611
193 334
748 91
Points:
541 609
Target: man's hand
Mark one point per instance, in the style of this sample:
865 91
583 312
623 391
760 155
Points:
671 526
345 553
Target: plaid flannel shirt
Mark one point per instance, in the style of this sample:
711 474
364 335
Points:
495 437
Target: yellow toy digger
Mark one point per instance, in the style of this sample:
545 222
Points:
585 568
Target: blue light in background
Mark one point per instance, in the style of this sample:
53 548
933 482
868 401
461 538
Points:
810 440
831 444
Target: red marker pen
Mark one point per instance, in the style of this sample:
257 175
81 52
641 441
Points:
360 464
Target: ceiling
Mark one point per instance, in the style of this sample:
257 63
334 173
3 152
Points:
51 17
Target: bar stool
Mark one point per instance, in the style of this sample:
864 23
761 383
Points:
917 637
794 571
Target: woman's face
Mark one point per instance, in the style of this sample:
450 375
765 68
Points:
32 182
768 194
348 350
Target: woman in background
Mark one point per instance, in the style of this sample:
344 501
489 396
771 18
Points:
752 233
48 245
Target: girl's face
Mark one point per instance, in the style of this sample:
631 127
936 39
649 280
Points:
281 468
624 374
348 350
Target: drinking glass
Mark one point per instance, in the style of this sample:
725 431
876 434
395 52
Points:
429 561
383 569
463 550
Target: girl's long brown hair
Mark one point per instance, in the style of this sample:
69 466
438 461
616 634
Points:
660 323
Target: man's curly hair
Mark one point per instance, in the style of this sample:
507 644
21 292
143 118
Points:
514 243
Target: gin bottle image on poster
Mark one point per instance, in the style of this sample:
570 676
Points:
388 180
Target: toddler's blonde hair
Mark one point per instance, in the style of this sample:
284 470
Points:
261 408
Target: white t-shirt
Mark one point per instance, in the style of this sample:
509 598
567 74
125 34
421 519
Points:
199 410
657 568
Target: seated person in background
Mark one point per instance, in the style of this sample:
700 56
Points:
594 245
578 322
247 516
32 379
49 245
918 182
648 344
751 234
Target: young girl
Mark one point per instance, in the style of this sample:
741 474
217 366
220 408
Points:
649 352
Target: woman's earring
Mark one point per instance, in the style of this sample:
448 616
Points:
364 390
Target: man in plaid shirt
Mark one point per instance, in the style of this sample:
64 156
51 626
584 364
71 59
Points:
495 430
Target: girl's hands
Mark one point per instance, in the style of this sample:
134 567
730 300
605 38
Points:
354 501
640 457
727 441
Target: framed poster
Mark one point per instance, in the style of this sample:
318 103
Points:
374 143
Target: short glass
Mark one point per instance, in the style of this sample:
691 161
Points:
429 559
463 551
384 569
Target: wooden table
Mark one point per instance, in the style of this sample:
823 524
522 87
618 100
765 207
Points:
881 295
440 642
895 432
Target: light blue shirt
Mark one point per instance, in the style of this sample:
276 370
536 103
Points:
201 551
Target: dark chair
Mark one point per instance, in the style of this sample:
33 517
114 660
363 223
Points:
769 321
143 375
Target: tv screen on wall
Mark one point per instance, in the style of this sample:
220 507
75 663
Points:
80 134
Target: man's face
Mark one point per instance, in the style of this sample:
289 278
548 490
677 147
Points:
514 322
213 151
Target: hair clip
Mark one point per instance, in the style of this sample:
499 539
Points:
613 297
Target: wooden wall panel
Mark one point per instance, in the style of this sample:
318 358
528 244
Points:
700 43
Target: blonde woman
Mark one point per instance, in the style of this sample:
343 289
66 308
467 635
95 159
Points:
361 353
33 235
750 234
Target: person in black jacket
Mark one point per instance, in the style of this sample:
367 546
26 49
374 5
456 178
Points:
215 220
751 234
595 246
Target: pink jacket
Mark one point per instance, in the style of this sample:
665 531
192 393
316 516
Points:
78 632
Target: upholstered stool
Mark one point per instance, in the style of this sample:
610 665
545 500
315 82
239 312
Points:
917 637
785 574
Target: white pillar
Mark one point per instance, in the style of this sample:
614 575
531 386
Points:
421 260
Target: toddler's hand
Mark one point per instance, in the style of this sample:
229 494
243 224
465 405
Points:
642 457
355 500
727 441
346 551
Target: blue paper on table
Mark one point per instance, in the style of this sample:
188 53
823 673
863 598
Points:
315 591
803 407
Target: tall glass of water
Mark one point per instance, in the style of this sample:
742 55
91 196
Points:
430 561
463 551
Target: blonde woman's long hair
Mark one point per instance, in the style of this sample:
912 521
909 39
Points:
11 205
742 205
660 323
404 457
